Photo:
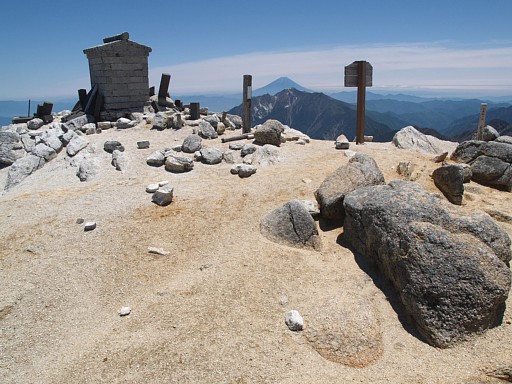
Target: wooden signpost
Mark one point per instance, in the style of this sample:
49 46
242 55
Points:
359 74
481 123
246 105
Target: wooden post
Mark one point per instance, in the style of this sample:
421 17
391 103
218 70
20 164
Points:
164 86
152 91
481 123
28 114
246 107
361 101
82 97
195 109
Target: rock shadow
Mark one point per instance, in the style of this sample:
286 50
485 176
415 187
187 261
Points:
386 287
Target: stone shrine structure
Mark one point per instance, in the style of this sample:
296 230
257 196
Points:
119 70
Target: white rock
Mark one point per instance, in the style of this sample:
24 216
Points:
163 196
152 188
158 251
124 311
89 226
294 320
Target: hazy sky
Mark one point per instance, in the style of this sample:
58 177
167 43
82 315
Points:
207 46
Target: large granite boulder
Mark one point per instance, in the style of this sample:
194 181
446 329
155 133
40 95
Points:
361 171
489 133
449 268
207 131
491 162
291 224
269 133
411 139
178 164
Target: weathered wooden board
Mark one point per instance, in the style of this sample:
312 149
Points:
351 75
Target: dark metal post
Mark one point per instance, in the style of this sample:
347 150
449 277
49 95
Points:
195 109
246 108
28 108
164 86
361 101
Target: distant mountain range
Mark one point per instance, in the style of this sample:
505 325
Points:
326 116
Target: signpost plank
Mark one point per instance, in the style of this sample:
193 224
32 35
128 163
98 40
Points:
246 107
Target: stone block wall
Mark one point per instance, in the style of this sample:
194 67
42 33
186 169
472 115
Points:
120 70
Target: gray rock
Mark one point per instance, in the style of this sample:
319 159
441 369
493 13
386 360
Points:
66 137
89 129
22 168
79 122
163 196
450 180
220 128
113 145
291 225
89 226
267 155
207 131
212 119
243 170
124 123
449 270
235 120
361 171
504 139
152 188
311 206
230 156
346 330
440 158
28 142
76 144
44 151
248 149
88 168
35 123
104 125
161 120
342 145
211 156
191 144
294 320
11 149
156 159
269 133
177 164
489 133
491 162
236 146
411 139
52 139
120 160
143 144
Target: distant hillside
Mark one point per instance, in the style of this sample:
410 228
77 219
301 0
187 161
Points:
465 128
316 114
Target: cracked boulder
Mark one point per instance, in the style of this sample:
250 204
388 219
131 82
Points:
291 224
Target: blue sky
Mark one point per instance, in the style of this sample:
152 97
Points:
462 47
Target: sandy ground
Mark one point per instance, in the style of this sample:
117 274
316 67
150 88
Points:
213 310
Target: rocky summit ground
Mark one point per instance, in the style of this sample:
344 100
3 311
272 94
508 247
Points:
213 309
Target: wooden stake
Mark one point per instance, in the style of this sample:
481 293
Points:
481 123
246 108
361 101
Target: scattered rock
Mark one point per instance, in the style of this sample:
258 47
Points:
440 158
44 151
191 144
144 144
124 311
450 180
163 196
22 168
51 138
88 168
207 131
504 139
80 221
264 156
76 144
294 320
79 122
292 225
243 170
113 145
35 123
124 123
152 188
211 155
346 331
104 125
450 270
177 164
342 145
406 169
120 160
212 119
248 149
11 149
221 128
90 226
311 206
269 133
236 146
360 171
156 159
489 133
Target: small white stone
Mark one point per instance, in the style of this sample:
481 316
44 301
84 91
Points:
158 251
283 301
348 153
152 188
294 320
124 311
163 182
